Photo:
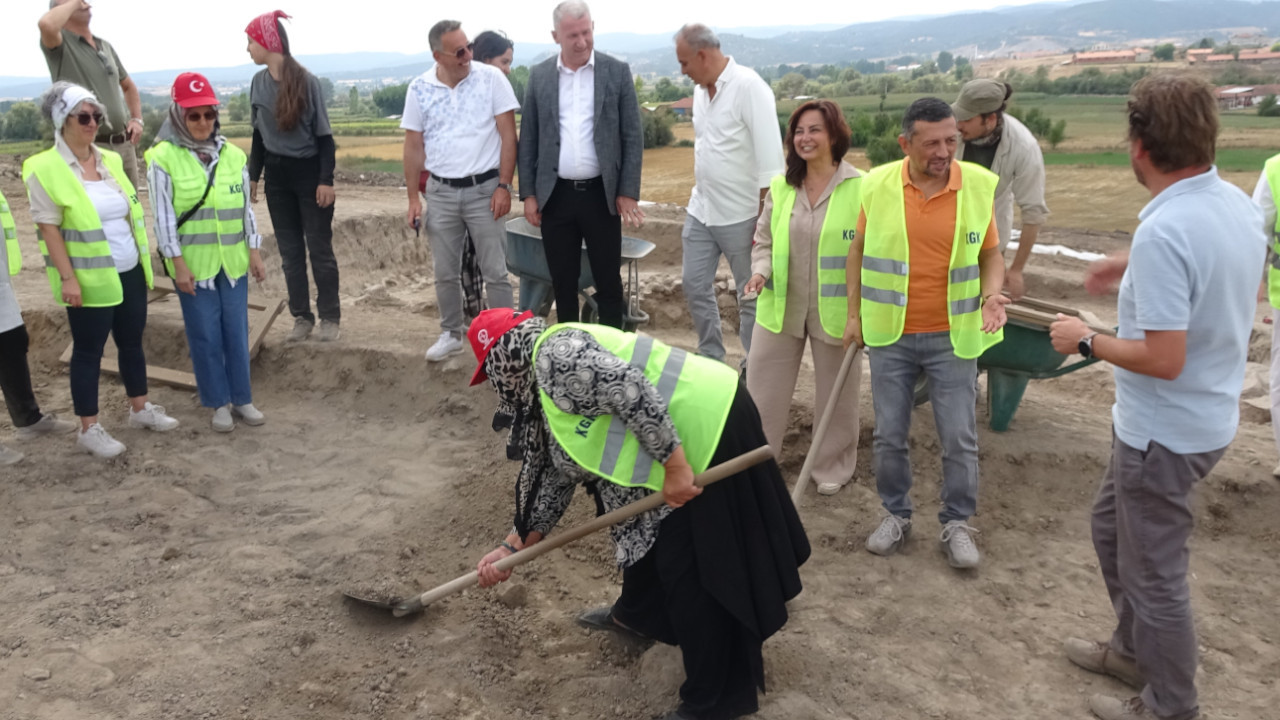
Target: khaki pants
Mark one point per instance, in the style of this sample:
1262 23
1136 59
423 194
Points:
773 366
129 154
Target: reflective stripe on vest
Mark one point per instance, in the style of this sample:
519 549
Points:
698 392
886 260
81 228
833 256
1272 172
13 253
213 238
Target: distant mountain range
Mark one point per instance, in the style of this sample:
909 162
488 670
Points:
1050 26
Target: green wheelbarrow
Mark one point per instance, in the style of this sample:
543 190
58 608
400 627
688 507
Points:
1025 354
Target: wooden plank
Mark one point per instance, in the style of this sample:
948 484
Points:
259 324
1044 319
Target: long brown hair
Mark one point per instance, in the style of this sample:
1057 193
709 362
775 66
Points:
291 102
837 130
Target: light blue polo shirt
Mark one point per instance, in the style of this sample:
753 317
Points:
1195 265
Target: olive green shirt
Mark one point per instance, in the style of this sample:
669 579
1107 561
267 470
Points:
98 70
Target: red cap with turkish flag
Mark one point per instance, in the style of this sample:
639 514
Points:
193 90
485 330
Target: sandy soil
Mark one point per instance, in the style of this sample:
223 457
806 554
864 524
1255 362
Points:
200 575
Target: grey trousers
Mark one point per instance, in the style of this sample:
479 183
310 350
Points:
1141 522
952 395
451 214
129 156
703 246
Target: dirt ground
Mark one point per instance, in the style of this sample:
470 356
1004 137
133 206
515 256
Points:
200 575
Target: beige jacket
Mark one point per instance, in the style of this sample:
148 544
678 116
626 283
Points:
801 316
1020 165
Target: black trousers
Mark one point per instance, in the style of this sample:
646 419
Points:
15 378
576 212
303 228
90 327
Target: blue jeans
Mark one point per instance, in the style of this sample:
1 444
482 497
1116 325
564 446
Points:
952 393
217 324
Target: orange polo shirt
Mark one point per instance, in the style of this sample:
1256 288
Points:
931 228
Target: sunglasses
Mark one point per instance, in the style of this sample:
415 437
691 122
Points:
84 118
207 116
463 51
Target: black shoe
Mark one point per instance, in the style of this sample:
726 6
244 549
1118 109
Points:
602 618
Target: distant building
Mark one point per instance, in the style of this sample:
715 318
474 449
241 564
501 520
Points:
1105 57
1236 97
1142 55
683 107
1196 55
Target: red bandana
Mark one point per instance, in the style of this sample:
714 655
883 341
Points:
263 31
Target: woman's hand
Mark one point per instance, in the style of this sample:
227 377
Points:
324 195
853 332
754 285
256 267
182 277
678 487
490 575
71 292
253 191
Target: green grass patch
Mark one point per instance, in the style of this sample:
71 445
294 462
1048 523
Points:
26 147
366 163
1230 159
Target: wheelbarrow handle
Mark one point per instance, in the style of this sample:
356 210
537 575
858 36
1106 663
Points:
710 475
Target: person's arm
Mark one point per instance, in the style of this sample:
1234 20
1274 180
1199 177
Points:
1265 199
57 250
415 156
257 157
52 22
500 203
991 269
527 152
762 119
853 283
632 138
1159 354
328 163
762 246
132 99
257 268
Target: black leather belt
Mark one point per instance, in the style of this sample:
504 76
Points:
117 139
469 181
580 185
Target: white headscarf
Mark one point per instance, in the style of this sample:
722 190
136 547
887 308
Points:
68 101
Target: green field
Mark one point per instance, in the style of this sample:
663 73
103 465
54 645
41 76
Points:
1229 159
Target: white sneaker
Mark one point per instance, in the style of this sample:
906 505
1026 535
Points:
95 440
9 456
957 545
222 421
447 345
249 414
890 536
152 417
49 424
829 488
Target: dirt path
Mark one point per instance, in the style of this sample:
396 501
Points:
199 575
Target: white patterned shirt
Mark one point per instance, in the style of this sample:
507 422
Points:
578 159
458 125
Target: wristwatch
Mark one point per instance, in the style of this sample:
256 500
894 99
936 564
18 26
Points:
139 121
1085 347
505 186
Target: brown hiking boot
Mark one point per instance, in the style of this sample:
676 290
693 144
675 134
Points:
1100 658
1109 708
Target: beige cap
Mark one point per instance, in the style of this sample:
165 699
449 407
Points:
980 97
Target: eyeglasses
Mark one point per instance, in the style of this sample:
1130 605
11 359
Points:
463 51
84 118
207 116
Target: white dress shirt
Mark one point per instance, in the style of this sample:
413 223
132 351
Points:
578 160
458 126
1263 198
737 147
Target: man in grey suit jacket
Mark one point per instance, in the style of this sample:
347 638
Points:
579 159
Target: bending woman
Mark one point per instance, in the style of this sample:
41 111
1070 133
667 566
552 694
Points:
797 264
293 142
95 252
207 233
710 571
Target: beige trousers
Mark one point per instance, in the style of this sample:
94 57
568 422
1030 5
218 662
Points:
773 366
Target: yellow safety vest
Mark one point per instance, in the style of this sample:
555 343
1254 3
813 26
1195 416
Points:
10 230
1272 171
886 259
833 255
81 228
698 391
213 238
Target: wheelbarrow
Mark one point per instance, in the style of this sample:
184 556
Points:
527 260
1025 354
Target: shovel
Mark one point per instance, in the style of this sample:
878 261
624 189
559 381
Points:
821 433
409 606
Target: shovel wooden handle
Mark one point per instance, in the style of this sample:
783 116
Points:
820 433
711 475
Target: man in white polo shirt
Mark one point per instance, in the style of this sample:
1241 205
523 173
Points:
460 126
737 151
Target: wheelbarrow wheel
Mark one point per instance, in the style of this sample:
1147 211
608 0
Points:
922 390
590 311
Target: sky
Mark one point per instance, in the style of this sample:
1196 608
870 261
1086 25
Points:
172 34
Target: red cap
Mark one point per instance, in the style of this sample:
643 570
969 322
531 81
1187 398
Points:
193 90
485 330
